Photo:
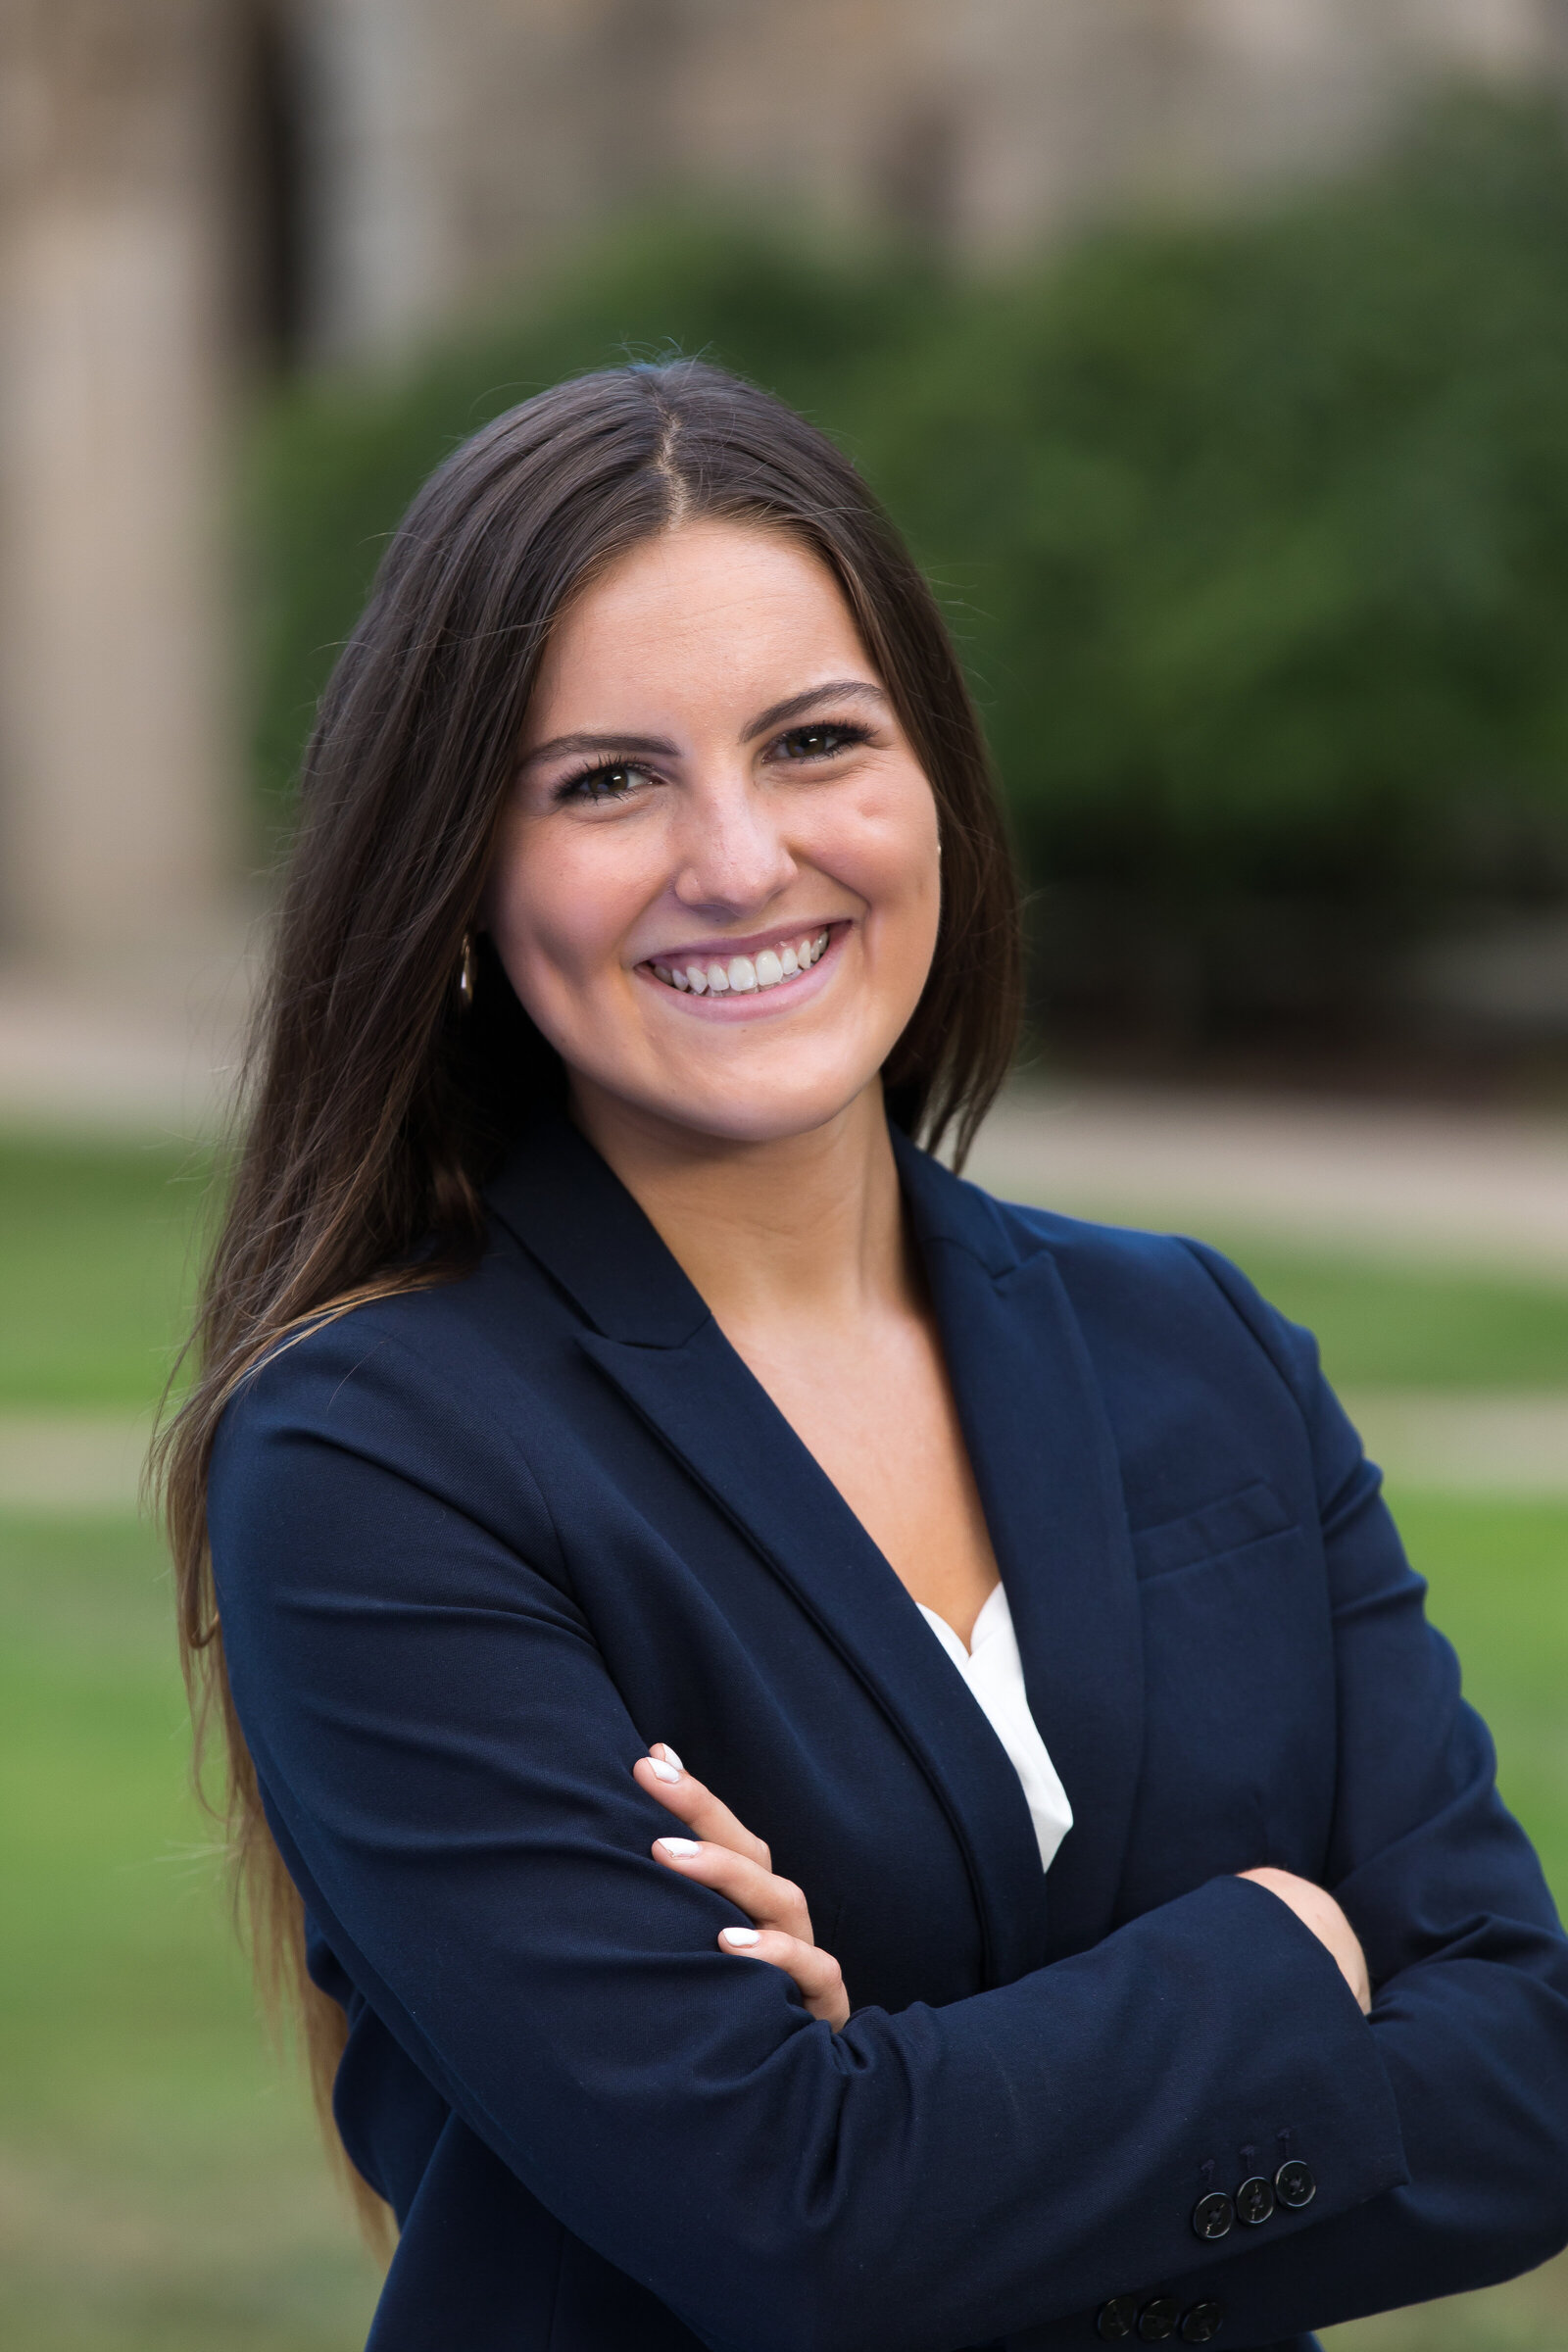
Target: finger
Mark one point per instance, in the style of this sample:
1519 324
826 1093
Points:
768 1901
1317 1910
815 1972
698 1807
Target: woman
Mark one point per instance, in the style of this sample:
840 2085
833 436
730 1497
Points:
594 1358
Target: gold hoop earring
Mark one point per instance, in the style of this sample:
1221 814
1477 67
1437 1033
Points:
466 973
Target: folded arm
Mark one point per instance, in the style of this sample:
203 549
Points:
1467 1963
450 1768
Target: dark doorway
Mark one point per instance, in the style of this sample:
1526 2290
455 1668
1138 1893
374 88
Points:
273 211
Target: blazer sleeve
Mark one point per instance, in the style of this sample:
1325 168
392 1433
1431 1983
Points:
448 1767
1467 1959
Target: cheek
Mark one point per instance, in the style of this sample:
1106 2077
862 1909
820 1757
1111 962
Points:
559 908
888 854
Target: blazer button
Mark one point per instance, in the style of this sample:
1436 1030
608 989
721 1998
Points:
1157 2320
1254 2200
1202 2323
1213 2215
1295 2184
1118 2318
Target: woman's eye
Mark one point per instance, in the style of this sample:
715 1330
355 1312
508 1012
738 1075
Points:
600 784
820 742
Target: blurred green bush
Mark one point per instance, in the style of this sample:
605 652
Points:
1254 531
335 462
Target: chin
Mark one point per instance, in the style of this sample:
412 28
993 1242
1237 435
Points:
768 1125
758 1108
764 1119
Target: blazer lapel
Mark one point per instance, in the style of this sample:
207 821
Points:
653 1338
699 1399
1046 1463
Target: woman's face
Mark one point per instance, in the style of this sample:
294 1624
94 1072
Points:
715 888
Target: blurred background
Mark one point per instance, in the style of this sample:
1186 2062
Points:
1214 355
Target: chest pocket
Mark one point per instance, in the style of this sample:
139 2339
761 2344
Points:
1239 1746
1212 1531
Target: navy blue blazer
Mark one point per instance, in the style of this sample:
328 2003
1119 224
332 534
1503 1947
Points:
476 1546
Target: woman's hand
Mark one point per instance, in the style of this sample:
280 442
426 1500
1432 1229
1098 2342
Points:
721 1853
1316 1909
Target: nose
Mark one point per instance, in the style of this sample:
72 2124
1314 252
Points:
730 853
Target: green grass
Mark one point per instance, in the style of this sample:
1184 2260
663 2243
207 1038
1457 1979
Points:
1382 1326
1498 1573
99 1248
97 1254
161 2188
161 2185
160 2180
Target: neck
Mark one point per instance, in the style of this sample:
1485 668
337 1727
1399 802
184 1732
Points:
801 1228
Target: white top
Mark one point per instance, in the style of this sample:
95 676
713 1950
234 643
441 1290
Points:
994 1672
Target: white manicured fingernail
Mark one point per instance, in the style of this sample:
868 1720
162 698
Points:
664 1771
670 1756
680 1846
741 1936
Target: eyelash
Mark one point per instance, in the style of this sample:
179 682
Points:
849 732
572 787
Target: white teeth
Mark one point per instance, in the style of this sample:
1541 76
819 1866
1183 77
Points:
743 975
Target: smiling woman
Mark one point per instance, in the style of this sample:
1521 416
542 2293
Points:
596 1360
688 859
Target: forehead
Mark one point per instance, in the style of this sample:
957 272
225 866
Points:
710 611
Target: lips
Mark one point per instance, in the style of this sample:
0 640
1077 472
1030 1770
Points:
700 974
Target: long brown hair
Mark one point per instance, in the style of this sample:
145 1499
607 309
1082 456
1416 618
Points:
375 1112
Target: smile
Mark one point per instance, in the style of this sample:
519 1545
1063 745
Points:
743 975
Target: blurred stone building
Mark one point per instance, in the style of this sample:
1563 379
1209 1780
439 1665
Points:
195 194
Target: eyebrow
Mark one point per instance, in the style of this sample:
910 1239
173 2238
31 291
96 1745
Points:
797 704
657 746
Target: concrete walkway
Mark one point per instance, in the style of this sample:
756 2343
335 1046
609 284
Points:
1440 1186
85 1465
73 1465
156 1053
1446 1441
1429 1187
